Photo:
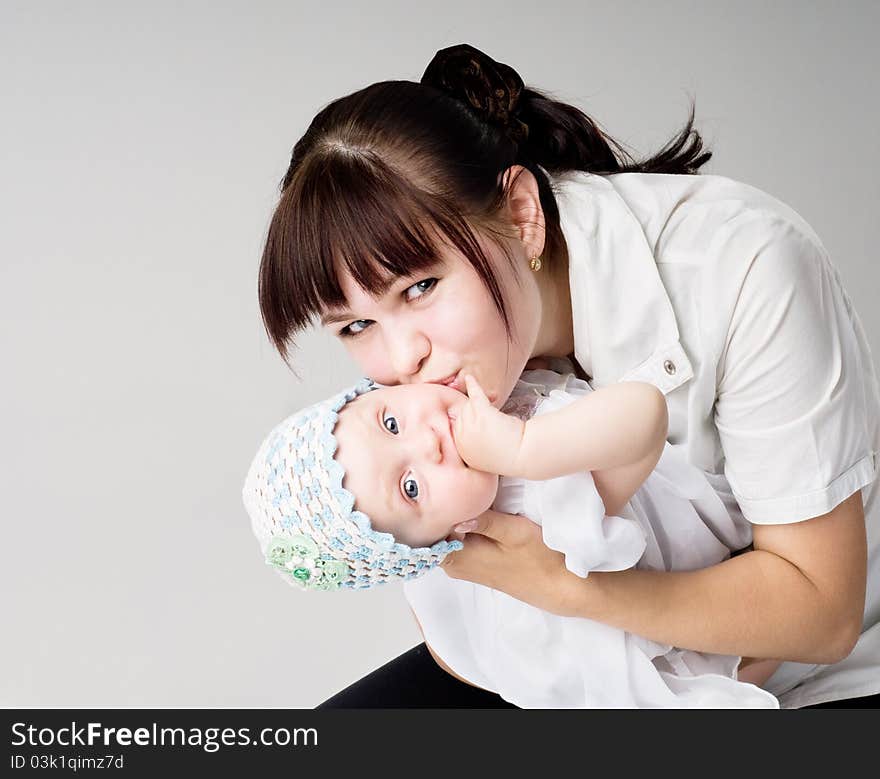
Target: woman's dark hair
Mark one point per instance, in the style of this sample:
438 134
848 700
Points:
385 174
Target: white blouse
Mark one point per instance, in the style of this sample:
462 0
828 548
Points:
725 299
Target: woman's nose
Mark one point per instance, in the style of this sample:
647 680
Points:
407 350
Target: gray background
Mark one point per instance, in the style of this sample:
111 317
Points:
140 148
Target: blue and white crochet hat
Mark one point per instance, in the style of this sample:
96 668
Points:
305 520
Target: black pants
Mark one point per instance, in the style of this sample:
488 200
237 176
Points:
413 680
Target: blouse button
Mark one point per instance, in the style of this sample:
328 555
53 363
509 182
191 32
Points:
669 367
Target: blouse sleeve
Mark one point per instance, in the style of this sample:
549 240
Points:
791 410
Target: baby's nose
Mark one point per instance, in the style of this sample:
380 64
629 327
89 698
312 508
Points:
429 444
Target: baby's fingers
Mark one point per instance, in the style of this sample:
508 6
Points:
461 425
475 391
464 432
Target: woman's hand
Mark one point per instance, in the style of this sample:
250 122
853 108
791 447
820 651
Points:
507 552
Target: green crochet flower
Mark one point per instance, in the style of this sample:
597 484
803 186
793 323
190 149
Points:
332 573
297 556
279 552
303 546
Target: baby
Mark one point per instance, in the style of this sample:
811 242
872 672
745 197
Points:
367 488
397 450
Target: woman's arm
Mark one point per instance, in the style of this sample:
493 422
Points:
798 596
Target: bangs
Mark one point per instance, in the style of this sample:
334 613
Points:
373 226
351 213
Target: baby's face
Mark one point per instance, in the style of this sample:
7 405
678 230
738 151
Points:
401 464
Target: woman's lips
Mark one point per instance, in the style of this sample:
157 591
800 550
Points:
457 382
454 381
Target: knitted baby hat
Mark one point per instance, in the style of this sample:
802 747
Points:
305 520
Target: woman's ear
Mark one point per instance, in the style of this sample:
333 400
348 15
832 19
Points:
524 208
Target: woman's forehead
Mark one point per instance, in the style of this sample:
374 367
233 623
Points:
354 297
353 290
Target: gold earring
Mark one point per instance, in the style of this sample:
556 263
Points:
535 263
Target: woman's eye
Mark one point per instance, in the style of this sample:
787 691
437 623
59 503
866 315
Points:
411 487
419 288
414 292
355 328
390 423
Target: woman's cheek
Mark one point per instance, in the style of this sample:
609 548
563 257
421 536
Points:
370 359
507 384
447 323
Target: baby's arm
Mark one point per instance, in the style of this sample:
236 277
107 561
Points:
617 432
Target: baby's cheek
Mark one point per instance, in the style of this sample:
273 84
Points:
482 493
469 494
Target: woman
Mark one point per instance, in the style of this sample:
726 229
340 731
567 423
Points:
467 224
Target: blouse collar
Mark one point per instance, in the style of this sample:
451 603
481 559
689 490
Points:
624 324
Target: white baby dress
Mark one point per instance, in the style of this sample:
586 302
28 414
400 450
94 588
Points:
535 659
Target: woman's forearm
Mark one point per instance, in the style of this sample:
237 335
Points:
800 595
756 604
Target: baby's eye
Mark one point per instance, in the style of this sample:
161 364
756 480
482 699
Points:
390 423
411 486
419 288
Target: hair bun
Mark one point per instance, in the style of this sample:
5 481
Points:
490 87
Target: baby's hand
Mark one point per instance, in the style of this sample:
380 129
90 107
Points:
486 438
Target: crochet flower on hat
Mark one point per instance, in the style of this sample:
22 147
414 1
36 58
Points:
297 556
